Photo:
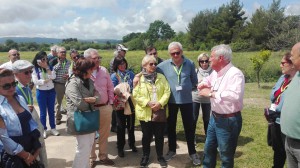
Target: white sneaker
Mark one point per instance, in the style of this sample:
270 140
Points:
54 132
45 134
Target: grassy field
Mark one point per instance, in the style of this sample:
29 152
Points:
252 150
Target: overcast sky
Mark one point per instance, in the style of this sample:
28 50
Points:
107 19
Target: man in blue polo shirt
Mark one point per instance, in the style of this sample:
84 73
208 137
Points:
181 75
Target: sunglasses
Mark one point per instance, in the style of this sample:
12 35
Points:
175 53
202 61
7 86
28 72
155 53
17 54
153 64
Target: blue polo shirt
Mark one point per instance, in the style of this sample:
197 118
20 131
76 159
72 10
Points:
187 80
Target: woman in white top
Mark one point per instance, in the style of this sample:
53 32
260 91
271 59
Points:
202 71
42 77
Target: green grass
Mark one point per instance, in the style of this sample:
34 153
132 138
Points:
252 150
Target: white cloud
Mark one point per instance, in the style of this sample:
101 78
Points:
293 9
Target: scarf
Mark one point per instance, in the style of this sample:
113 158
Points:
204 73
149 77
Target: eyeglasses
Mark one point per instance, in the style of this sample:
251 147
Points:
63 52
153 64
175 53
155 53
202 61
283 63
17 54
44 59
28 72
7 86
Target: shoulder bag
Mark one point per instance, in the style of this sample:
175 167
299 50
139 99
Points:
86 121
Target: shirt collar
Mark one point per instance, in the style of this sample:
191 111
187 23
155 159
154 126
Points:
225 69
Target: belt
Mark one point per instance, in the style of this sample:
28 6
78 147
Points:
100 105
217 115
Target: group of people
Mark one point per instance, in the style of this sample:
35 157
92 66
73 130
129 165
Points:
153 97
283 124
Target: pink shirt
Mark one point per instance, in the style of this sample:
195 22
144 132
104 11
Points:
103 86
228 85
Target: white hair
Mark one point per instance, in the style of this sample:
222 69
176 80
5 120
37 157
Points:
173 44
223 50
54 48
87 53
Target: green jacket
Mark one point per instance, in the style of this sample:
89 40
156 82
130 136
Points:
142 94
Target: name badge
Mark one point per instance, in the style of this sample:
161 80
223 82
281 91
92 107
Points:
178 88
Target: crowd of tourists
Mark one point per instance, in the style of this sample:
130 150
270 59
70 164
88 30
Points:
101 100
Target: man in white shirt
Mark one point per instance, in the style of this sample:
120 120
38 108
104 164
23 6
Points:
13 56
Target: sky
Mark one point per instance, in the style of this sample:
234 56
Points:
108 19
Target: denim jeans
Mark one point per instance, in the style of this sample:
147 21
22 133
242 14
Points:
222 133
46 102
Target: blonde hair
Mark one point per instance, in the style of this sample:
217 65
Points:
147 59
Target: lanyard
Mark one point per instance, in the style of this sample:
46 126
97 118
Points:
178 73
64 64
284 86
26 96
44 74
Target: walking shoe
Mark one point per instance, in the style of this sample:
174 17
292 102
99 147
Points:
170 155
196 159
162 162
92 163
107 162
121 153
54 132
133 148
45 134
58 122
144 161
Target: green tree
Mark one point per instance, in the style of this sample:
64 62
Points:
130 36
11 44
258 62
158 30
228 23
198 28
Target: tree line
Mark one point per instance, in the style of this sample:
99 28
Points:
267 29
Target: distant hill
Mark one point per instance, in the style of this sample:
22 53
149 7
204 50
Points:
40 40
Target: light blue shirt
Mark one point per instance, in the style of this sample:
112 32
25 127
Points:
13 125
188 80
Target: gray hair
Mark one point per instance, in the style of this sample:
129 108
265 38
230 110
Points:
147 59
87 53
54 48
223 50
202 55
173 44
59 48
